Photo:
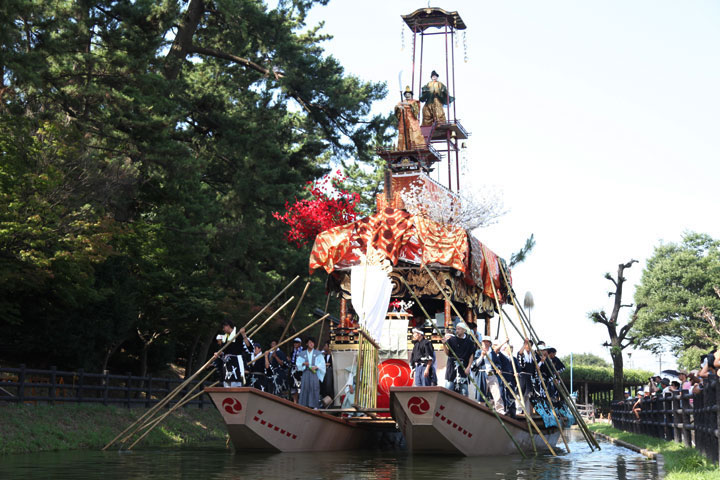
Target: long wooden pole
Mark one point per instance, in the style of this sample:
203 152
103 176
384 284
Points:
270 302
150 421
298 333
547 392
177 389
255 330
589 438
457 359
167 398
292 317
477 342
158 421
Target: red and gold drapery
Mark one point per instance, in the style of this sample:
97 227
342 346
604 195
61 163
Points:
414 239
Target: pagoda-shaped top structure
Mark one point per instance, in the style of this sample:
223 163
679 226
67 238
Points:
439 128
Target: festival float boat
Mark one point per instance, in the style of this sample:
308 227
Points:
401 268
259 421
439 421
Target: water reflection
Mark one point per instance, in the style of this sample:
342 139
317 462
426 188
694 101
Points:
215 462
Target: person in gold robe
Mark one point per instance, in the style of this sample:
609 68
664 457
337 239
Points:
435 96
408 113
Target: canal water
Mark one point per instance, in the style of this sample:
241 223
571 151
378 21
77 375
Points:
218 462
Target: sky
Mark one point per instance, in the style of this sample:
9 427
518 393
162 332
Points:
597 120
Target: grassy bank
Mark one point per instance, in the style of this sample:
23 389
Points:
30 428
681 463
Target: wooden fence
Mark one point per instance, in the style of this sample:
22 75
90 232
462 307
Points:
689 419
26 385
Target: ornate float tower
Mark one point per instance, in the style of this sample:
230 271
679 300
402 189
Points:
439 131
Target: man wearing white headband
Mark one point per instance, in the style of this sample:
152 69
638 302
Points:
422 360
461 345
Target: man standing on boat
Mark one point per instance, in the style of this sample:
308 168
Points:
422 360
232 362
312 365
295 374
276 369
257 368
486 377
462 346
526 370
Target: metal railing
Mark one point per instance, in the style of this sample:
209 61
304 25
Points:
679 416
27 385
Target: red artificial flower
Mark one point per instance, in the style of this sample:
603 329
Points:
321 211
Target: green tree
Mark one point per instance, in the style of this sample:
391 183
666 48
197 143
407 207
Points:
145 146
587 359
677 284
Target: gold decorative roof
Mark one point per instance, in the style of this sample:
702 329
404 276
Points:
424 18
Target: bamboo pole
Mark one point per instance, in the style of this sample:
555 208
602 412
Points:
181 401
270 302
157 422
151 418
165 400
457 359
589 438
177 389
537 367
298 333
528 417
292 317
521 399
255 330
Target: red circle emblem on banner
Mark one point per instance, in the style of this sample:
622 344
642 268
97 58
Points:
391 373
232 405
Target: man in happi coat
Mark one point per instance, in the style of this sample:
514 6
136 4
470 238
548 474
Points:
276 369
256 368
233 366
486 376
312 365
526 371
464 347
508 374
422 360
548 372
327 386
408 114
435 96
295 374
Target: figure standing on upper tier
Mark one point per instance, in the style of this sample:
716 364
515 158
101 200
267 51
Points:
435 96
408 113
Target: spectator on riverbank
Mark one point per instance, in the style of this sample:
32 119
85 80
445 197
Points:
707 366
637 406
654 385
664 385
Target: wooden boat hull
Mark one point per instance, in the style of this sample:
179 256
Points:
437 420
259 421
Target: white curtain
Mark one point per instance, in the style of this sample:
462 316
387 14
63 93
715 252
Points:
370 288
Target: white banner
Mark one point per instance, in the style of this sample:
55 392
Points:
370 288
